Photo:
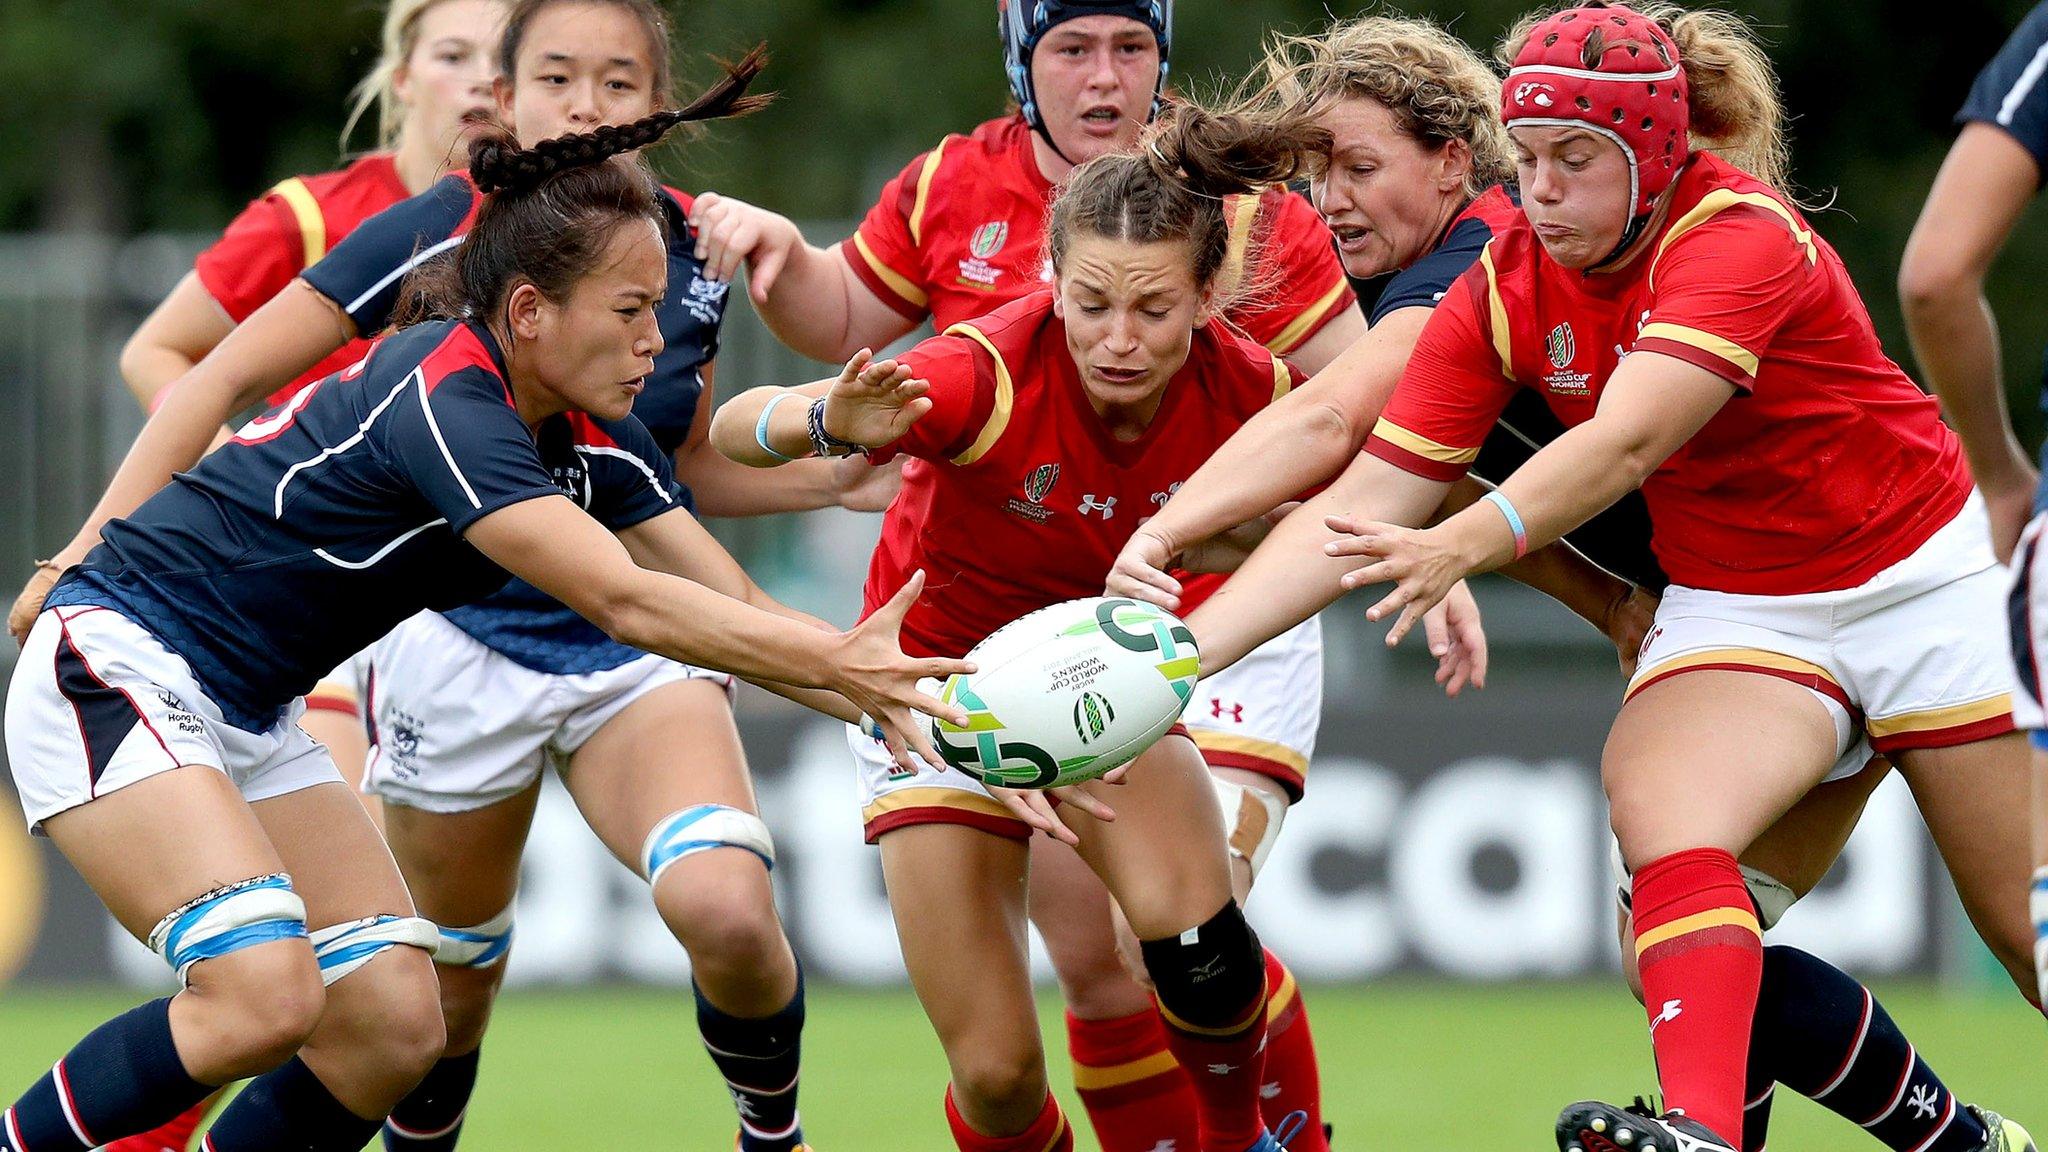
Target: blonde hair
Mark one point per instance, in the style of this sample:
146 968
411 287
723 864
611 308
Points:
1438 89
1734 104
400 36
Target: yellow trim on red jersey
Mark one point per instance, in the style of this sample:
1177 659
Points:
1497 316
1006 397
1721 199
1698 922
924 192
935 798
1244 211
312 221
896 281
1208 739
1934 719
1706 342
1087 1079
1309 320
1422 446
1283 380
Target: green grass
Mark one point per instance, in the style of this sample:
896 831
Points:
1489 1066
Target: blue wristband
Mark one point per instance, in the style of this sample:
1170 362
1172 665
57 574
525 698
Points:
761 428
1507 508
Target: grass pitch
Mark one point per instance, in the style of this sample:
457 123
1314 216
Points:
623 1069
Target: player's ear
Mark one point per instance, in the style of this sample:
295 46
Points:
501 88
522 311
1455 164
1205 306
1059 301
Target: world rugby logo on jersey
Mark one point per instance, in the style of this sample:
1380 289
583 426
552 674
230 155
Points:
984 242
1563 349
1037 486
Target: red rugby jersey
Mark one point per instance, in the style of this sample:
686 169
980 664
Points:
1828 465
1017 496
962 230
287 230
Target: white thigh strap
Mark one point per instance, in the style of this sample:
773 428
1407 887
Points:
479 946
343 948
2039 903
229 919
701 829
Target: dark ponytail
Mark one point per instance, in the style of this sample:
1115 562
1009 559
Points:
550 211
1173 187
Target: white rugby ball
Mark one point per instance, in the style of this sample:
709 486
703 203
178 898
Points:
1069 692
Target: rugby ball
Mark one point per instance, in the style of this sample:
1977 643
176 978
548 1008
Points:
1068 693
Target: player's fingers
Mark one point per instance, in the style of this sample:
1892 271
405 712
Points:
1371 574
855 365
1410 617
1436 628
1346 525
1395 600
1082 799
761 276
1035 811
1117 775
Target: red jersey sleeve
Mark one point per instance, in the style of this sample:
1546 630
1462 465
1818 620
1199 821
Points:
1301 284
1721 291
262 249
884 250
964 383
1451 392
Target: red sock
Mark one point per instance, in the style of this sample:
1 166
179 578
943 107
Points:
1701 955
172 1137
1225 1067
1137 1097
1292 1083
1049 1133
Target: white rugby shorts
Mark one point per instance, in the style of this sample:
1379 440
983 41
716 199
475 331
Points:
97 703
455 726
1261 713
1915 657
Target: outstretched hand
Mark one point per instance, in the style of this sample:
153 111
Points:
874 402
1418 562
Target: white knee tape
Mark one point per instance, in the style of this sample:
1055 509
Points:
1770 895
228 920
477 947
343 948
701 829
1252 816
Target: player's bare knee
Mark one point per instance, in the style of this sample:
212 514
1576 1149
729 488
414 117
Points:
467 996
722 908
1000 1080
260 1004
396 1003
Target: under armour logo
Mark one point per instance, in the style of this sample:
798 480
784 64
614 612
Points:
1672 1010
1216 711
1922 1102
1106 506
1160 498
1269 1091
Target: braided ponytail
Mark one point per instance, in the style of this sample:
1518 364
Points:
550 211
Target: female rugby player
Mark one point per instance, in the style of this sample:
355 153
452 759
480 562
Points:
469 706
1640 242
152 728
1036 431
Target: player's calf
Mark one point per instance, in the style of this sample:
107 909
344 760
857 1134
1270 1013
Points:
1211 982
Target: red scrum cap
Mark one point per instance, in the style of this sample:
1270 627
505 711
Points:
1613 71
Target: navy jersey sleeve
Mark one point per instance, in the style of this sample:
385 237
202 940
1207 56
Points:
631 479
461 445
1424 282
362 274
2011 91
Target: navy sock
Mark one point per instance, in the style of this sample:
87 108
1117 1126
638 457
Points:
123 1078
289 1110
429 1119
758 1059
1823 1035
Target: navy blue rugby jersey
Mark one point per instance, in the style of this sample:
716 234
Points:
363 273
2012 93
356 492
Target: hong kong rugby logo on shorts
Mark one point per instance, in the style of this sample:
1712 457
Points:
986 241
402 744
1562 350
